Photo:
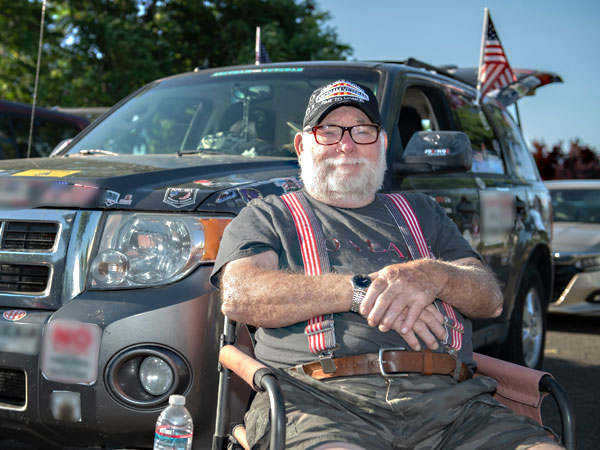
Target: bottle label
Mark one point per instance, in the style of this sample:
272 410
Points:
169 437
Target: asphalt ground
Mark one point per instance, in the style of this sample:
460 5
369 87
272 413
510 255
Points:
573 356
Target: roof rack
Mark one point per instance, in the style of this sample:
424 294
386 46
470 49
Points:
413 62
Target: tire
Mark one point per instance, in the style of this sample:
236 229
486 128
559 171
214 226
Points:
527 332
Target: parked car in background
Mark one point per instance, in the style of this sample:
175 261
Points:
576 246
107 257
49 129
90 113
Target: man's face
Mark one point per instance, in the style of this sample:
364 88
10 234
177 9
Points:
344 173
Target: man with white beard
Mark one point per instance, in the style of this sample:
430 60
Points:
361 300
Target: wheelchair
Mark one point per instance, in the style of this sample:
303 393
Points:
519 388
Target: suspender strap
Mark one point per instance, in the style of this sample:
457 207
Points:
408 224
319 330
411 231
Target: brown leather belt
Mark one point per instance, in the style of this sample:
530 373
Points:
390 362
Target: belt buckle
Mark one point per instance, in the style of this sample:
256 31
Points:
381 361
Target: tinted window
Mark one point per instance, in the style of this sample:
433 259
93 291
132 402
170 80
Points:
517 153
47 133
471 119
246 112
576 205
417 113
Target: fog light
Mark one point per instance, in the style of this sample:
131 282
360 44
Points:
155 375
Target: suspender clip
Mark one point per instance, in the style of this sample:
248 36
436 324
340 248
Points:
327 362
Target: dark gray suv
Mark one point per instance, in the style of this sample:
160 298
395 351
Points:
106 247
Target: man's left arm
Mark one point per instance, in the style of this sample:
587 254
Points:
400 292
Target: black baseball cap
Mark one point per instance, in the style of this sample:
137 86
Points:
326 98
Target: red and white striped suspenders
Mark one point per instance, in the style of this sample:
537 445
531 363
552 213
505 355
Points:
320 330
410 229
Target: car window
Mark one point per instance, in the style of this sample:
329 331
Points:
576 205
517 152
487 157
8 146
47 133
245 113
416 114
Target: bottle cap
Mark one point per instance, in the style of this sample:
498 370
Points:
177 400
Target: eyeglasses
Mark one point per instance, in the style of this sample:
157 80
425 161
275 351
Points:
332 134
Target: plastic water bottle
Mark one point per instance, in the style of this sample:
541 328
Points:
174 427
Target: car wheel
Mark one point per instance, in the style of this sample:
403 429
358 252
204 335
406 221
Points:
527 333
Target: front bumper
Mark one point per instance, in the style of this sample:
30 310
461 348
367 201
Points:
183 317
580 296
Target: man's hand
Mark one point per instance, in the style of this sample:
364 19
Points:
400 295
397 296
429 327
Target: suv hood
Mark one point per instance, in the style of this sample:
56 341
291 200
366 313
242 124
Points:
160 182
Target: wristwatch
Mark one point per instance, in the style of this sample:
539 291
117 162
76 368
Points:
360 284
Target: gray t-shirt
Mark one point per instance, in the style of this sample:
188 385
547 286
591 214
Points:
359 240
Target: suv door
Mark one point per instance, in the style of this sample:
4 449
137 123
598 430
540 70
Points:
424 107
511 205
531 274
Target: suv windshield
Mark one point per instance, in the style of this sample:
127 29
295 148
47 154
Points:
252 112
576 205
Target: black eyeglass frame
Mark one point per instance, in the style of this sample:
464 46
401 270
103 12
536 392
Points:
314 129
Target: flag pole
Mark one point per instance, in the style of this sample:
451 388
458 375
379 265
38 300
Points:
483 33
257 47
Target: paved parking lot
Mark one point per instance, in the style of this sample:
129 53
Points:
573 357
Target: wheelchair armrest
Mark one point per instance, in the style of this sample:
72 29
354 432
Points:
261 378
240 363
567 412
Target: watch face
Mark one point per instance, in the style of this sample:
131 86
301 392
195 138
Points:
361 281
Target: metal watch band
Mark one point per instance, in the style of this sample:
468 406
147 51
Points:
358 295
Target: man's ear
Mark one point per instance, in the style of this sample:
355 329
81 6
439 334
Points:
385 141
298 144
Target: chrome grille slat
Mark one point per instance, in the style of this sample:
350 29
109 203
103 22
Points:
23 278
34 244
12 387
29 236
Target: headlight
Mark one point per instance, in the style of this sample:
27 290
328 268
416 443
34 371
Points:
139 249
590 262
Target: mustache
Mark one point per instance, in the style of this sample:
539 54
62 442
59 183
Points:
345 161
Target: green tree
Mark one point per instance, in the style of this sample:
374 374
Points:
97 51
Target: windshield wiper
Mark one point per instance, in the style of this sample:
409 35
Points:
94 151
197 151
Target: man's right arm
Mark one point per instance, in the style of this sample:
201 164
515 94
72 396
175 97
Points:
256 292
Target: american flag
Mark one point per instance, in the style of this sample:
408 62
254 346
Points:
494 70
262 56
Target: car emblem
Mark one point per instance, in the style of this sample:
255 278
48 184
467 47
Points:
14 315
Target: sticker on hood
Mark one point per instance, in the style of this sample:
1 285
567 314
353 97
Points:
180 197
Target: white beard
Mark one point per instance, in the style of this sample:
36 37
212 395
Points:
331 186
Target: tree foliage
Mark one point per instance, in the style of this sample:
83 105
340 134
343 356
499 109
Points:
97 51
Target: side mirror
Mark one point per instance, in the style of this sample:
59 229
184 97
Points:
436 152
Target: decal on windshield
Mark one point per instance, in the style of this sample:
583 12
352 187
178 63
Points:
266 70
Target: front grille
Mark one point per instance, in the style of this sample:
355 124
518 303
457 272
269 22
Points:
29 236
12 387
23 278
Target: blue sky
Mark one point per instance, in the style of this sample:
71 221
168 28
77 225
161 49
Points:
556 35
